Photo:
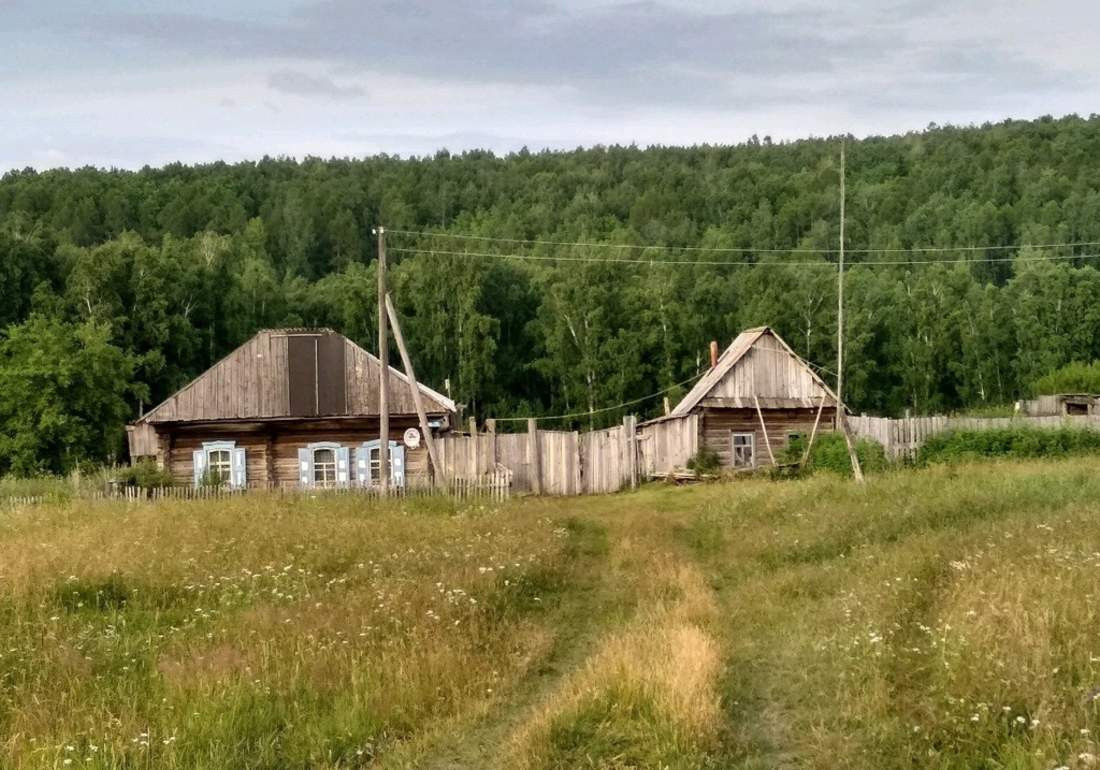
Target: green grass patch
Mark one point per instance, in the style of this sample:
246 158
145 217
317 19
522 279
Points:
1018 443
619 729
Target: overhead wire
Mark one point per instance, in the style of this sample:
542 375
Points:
602 410
744 249
719 263
636 401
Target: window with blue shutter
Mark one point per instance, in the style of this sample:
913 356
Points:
343 466
367 463
305 467
362 466
198 458
324 464
220 462
397 464
239 475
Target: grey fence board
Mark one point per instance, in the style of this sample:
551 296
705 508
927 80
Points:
903 437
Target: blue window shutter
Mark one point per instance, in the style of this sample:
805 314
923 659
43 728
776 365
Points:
305 467
239 474
367 446
362 466
198 458
343 465
397 464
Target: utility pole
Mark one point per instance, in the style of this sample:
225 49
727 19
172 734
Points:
841 422
383 370
414 388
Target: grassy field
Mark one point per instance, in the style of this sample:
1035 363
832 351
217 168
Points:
939 618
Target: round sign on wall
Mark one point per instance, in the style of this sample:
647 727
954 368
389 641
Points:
412 438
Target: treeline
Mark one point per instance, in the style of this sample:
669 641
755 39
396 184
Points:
117 287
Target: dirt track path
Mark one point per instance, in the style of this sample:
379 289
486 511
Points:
587 608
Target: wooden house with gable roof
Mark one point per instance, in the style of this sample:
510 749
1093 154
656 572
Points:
289 408
757 397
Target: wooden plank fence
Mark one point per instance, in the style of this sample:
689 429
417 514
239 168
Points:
667 444
549 462
903 437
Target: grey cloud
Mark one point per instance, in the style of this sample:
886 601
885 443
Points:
622 53
303 84
636 53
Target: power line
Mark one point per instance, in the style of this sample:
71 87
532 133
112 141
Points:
717 263
669 389
747 249
608 408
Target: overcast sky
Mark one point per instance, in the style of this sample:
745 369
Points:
133 82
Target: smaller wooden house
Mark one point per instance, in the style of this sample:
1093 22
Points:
1061 404
290 408
757 398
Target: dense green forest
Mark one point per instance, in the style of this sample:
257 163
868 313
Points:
116 287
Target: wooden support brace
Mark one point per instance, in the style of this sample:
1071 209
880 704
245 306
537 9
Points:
813 433
763 427
425 429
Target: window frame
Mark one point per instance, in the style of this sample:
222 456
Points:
235 466
374 466
223 468
327 468
737 450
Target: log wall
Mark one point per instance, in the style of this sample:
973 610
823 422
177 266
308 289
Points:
271 453
718 425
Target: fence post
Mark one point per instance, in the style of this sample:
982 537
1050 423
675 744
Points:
473 459
534 467
630 423
491 430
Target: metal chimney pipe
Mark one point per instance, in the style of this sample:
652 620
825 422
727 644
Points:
713 353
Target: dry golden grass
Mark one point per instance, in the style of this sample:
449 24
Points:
943 618
258 633
647 697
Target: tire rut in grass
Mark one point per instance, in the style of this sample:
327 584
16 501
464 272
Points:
473 742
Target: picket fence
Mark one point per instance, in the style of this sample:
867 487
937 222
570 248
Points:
495 484
903 437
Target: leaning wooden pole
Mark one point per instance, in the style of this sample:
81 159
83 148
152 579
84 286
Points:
764 428
841 423
425 429
383 371
813 433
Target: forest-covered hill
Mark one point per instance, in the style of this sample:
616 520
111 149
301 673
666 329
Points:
116 287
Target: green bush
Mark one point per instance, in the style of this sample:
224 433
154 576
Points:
1077 377
145 474
958 445
705 462
830 453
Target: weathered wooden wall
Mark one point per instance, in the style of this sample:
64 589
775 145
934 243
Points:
254 382
903 437
767 370
718 425
667 444
549 462
272 459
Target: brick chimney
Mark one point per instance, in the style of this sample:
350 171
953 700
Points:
713 353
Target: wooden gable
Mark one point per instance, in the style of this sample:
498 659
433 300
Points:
293 373
758 367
